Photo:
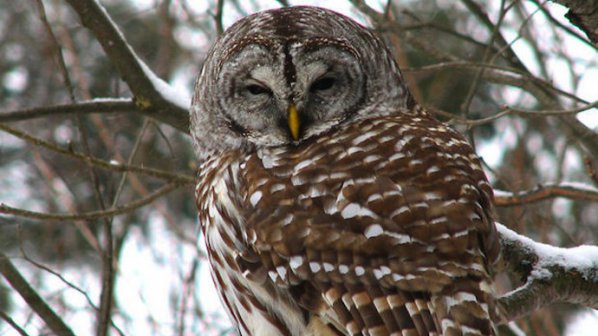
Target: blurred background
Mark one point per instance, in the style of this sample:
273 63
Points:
467 60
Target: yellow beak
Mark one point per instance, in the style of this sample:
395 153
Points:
294 123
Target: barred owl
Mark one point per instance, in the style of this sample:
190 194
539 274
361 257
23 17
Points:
330 202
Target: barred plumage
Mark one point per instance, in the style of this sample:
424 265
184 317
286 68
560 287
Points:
376 221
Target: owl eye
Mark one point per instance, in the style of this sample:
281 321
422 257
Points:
255 89
322 84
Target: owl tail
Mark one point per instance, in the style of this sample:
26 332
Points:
466 312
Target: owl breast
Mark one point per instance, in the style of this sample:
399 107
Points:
247 302
397 200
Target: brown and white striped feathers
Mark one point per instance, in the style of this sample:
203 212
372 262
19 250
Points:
331 203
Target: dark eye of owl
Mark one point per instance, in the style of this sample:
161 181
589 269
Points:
322 84
255 89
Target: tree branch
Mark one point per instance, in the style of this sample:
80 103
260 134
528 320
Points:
454 118
107 165
551 274
584 15
108 105
152 95
545 94
91 215
501 75
587 137
41 308
4 316
547 191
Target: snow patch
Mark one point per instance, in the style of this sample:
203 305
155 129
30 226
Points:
583 258
166 90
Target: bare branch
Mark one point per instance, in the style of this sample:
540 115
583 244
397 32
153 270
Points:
113 166
12 323
495 34
455 119
541 90
108 105
59 276
479 12
57 50
283 3
502 75
218 17
91 215
574 127
36 302
544 192
66 282
552 274
544 93
152 95
587 137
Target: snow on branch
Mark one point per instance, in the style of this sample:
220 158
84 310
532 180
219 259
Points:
152 95
550 274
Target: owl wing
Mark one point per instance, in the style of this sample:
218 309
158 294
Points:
385 227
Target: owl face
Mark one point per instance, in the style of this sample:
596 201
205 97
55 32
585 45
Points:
282 92
280 77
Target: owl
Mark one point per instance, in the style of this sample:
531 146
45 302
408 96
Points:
330 202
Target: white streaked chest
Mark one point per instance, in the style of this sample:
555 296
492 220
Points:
248 303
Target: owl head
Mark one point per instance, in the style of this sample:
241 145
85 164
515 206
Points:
283 76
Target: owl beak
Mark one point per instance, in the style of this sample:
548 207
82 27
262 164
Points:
293 120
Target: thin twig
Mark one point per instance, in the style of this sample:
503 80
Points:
106 299
107 165
186 294
544 92
532 84
57 49
66 282
123 178
495 32
482 16
36 302
515 76
12 323
120 239
544 192
91 215
106 105
455 119
450 31
218 17
382 24
283 3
